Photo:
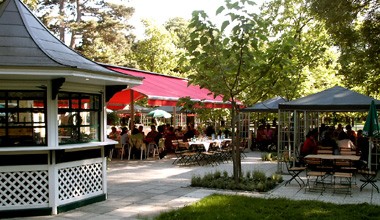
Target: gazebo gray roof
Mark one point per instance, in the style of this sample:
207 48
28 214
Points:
270 105
26 43
336 98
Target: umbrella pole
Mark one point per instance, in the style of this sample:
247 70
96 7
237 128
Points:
132 107
370 154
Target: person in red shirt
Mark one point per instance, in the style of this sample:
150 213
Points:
310 145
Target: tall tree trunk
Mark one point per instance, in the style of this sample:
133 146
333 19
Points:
62 21
74 31
235 146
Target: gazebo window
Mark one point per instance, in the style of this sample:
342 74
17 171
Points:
23 118
78 117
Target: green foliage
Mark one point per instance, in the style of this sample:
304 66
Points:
113 118
355 28
259 176
306 61
227 67
257 181
97 29
218 206
268 156
157 52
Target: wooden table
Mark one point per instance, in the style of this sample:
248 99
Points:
333 157
346 174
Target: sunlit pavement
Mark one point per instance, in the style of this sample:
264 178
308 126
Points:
142 189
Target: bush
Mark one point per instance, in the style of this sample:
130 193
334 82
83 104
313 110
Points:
258 176
253 181
269 156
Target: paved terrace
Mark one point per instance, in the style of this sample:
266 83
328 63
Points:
142 189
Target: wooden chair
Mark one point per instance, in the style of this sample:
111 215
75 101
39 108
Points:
347 151
325 150
314 175
343 174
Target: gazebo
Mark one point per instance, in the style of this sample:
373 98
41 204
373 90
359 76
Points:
52 119
299 116
267 106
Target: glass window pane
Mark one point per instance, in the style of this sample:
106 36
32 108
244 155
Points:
12 104
80 122
86 102
63 100
88 134
75 101
22 118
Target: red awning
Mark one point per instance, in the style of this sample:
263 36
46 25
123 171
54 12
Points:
162 90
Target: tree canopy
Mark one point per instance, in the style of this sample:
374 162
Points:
355 28
98 29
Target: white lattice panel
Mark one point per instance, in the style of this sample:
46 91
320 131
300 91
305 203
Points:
79 181
24 188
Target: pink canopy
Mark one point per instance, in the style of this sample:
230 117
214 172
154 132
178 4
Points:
162 90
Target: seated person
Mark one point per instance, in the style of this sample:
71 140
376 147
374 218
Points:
190 133
136 141
261 138
351 134
169 137
362 146
178 132
114 134
329 143
344 142
310 145
151 136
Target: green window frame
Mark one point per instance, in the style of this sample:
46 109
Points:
23 118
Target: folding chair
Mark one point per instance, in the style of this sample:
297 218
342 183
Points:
369 178
314 175
295 173
343 172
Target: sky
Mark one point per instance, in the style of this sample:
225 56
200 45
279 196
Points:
161 10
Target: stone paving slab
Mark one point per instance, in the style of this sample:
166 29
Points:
142 189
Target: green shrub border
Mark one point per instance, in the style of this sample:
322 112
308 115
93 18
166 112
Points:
252 181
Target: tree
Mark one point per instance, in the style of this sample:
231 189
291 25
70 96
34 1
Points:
107 39
273 53
180 32
157 52
98 29
227 65
307 60
355 28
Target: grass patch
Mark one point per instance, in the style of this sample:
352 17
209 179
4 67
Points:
242 207
251 181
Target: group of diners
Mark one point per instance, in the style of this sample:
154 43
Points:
336 141
266 136
160 137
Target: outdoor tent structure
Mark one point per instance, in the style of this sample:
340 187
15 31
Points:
299 116
267 106
52 120
270 105
162 90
